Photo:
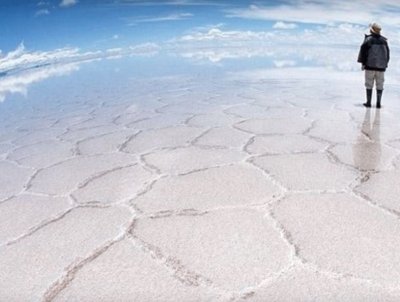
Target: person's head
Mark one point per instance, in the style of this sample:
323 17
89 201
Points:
375 28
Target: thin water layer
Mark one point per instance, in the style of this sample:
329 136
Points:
197 182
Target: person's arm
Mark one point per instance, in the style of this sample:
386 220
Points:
388 52
362 55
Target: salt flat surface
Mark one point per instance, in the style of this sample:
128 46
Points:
255 186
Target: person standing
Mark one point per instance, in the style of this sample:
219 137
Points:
374 56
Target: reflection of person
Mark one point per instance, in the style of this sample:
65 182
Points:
374 56
367 148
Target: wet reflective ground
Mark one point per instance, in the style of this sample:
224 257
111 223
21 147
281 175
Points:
156 179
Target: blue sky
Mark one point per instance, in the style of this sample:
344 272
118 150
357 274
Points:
46 24
91 24
195 29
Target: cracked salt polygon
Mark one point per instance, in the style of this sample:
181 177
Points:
234 248
20 214
280 144
383 188
66 176
331 114
105 143
4 148
395 144
125 273
184 160
284 112
334 131
247 111
114 186
188 107
7 134
147 141
307 171
12 179
237 185
85 133
42 154
159 121
343 234
226 97
68 121
130 118
213 120
92 123
365 155
223 137
30 266
295 125
308 285
35 123
36 136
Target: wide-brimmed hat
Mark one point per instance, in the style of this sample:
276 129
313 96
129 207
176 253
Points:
375 28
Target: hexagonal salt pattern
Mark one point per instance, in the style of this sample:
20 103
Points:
283 144
32 265
12 179
244 188
139 278
304 284
305 172
115 186
236 185
232 248
343 234
383 188
185 160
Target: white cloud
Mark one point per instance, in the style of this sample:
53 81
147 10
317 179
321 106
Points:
145 49
42 3
284 63
171 3
284 25
324 12
42 12
170 17
68 3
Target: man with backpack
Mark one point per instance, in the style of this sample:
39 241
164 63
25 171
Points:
374 56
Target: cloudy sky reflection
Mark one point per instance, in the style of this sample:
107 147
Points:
54 37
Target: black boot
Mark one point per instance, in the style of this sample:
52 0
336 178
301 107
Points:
369 96
378 98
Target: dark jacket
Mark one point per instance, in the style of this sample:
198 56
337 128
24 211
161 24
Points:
374 53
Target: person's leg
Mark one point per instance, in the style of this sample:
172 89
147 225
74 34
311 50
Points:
369 84
380 80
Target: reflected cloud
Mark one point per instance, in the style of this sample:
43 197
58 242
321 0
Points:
20 68
367 148
325 46
279 55
20 82
285 63
21 59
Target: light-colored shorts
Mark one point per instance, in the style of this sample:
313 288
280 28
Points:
377 76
